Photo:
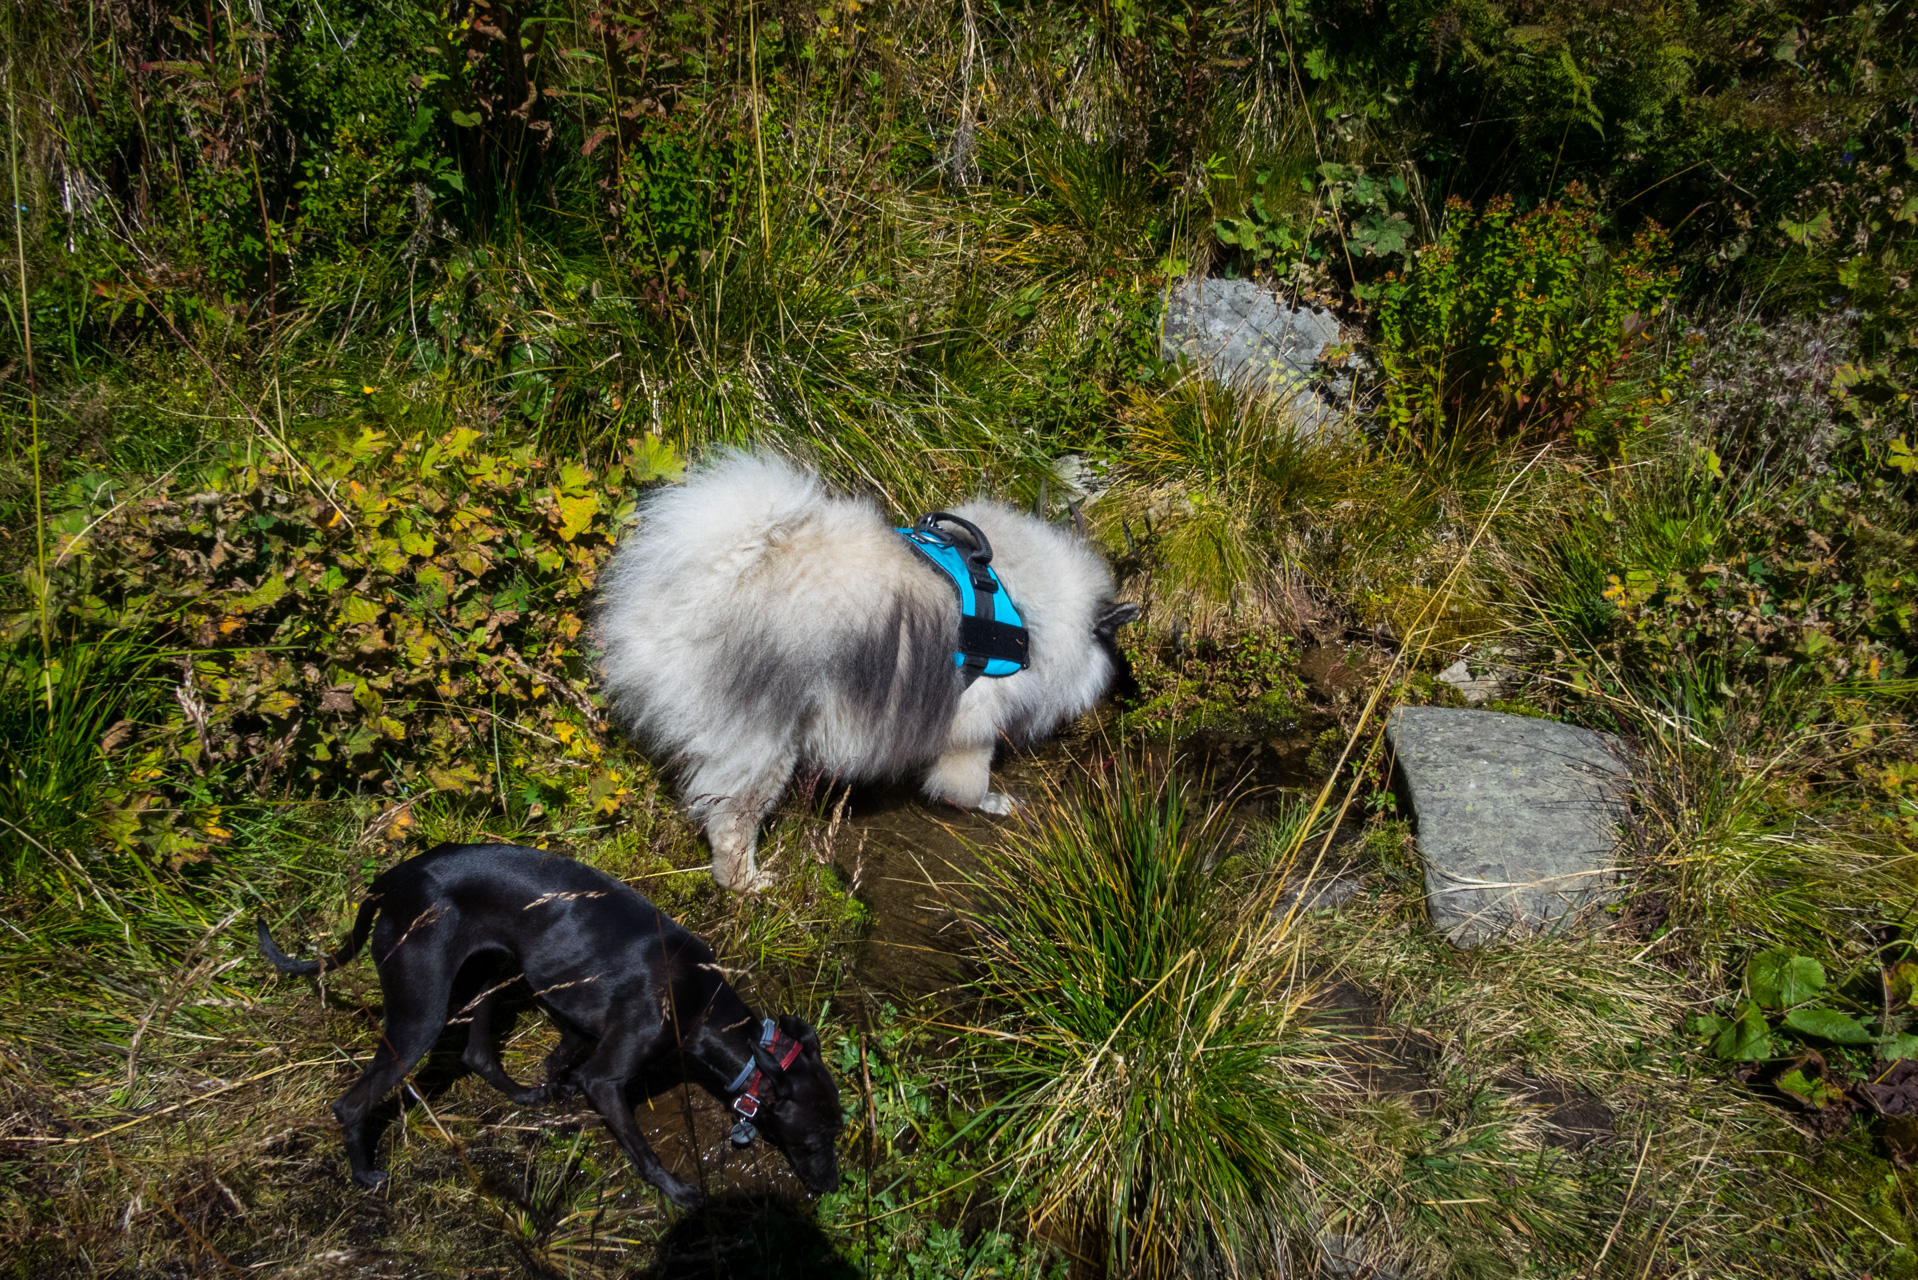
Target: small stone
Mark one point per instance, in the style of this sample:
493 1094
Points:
1319 894
1246 336
1080 479
1516 818
1476 689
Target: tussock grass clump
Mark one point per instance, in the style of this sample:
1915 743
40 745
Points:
1750 846
1156 1076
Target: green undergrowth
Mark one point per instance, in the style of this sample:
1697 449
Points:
340 341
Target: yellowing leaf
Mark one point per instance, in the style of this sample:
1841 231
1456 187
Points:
576 515
269 590
454 777
279 703
360 611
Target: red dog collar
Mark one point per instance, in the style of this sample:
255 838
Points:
785 1051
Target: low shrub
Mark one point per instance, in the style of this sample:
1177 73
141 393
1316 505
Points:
1521 324
398 612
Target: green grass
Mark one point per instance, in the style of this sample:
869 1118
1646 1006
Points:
1154 1068
55 722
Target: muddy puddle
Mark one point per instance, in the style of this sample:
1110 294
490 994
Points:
909 860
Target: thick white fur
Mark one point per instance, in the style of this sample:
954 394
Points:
754 622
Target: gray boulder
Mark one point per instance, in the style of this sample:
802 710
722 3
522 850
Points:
1517 818
1246 337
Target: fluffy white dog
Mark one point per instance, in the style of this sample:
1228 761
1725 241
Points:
755 621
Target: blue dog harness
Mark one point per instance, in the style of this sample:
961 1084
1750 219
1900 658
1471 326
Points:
992 635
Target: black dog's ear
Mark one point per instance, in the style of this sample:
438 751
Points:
796 1027
1114 616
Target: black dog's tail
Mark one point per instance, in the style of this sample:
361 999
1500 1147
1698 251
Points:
362 925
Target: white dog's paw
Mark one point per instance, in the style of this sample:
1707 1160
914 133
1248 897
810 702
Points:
754 880
997 803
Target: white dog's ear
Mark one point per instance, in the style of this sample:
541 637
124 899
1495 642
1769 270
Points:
1115 615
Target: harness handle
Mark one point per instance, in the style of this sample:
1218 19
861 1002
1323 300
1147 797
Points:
931 519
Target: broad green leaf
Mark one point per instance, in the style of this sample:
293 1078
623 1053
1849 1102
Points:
269 590
654 459
1828 1024
1809 231
1780 978
1746 1040
460 441
1813 1093
1902 1045
574 478
371 442
1705 1026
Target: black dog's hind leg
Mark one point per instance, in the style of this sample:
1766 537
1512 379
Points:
482 1057
572 1046
602 1078
417 987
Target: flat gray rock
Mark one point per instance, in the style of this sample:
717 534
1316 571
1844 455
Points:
1246 336
1517 818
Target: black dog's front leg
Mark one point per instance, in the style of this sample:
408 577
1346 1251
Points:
602 1078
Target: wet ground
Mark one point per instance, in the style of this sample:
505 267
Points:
909 859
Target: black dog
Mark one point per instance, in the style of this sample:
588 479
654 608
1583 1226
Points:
627 985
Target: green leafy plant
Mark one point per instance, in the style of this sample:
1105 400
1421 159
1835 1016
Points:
1271 226
1373 208
1521 324
372 622
1789 988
